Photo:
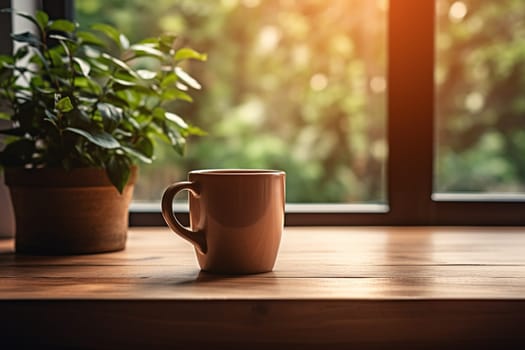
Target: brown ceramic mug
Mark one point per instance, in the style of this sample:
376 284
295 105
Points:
236 218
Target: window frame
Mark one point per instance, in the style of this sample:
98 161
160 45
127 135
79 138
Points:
411 144
410 139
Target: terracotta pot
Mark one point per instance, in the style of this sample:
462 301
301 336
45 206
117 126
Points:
75 212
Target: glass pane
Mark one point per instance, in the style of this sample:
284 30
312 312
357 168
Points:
293 85
480 75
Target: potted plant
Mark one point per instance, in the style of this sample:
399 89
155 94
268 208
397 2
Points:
82 114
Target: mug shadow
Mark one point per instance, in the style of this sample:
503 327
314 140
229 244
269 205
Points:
204 278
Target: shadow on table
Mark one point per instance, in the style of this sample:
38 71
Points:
204 278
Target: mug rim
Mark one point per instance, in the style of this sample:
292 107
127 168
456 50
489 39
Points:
239 171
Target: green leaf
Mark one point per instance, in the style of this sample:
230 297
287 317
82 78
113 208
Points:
116 100
146 74
130 123
188 79
92 52
98 137
112 33
124 41
90 38
90 84
145 145
63 25
89 89
193 130
6 59
167 41
181 86
159 113
109 111
52 122
118 169
85 155
28 38
180 146
21 52
175 94
141 91
146 50
183 128
64 105
50 115
56 57
153 129
145 118
122 132
168 80
80 119
187 53
123 82
137 154
44 91
42 19
85 68
5 116
172 117
62 38
99 66
177 141
121 64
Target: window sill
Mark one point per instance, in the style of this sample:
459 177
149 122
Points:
148 214
152 207
479 197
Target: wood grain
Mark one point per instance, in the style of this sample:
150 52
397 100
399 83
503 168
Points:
367 287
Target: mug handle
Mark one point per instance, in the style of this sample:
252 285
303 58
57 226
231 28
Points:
196 238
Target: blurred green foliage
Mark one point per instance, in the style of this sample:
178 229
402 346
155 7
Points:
300 85
480 78
293 85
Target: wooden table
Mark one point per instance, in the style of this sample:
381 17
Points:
372 287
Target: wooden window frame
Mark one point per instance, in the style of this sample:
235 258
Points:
410 139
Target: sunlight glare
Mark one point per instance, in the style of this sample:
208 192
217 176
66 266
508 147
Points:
318 82
458 10
269 38
378 84
474 101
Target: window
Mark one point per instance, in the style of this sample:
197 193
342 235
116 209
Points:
411 101
480 105
292 85
411 131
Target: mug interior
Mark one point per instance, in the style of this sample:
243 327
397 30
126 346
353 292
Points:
238 172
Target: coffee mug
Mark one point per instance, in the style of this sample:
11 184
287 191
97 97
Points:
236 218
